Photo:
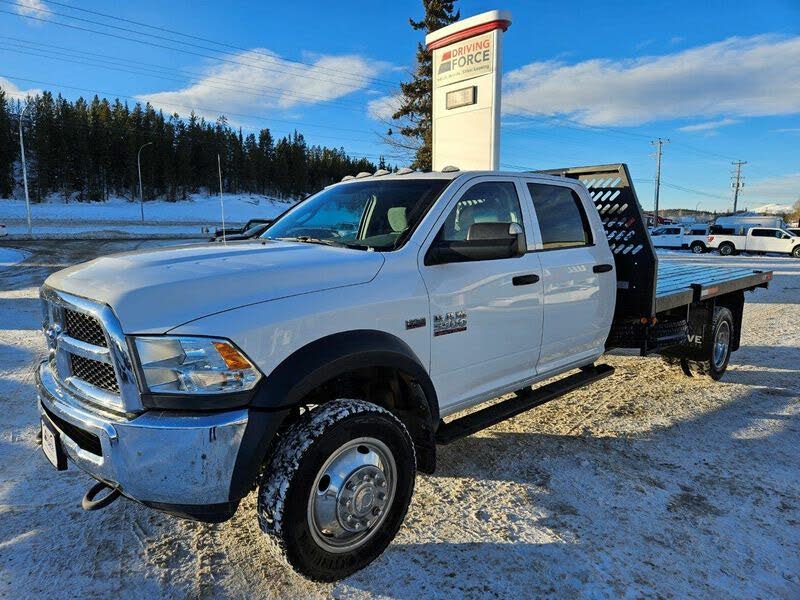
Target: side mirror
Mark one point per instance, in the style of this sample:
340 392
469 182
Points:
518 232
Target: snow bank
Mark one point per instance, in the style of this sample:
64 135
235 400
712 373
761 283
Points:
199 208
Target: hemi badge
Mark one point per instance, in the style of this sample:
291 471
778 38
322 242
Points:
415 323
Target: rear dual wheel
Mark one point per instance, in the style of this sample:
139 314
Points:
718 351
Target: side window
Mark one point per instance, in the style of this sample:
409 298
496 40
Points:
562 220
761 233
483 205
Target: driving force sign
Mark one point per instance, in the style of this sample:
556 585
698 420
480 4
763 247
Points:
465 60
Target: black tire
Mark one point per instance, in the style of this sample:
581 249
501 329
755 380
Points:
796 251
698 247
717 364
726 249
288 488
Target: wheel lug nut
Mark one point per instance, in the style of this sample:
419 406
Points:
376 511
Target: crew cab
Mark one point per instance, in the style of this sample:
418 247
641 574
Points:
754 239
321 365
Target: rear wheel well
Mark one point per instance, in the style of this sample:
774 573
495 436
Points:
392 389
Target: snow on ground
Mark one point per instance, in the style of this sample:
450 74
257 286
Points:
647 484
121 215
11 256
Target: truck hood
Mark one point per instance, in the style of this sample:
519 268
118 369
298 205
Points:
152 291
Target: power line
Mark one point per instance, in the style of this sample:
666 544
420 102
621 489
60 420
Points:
201 39
154 44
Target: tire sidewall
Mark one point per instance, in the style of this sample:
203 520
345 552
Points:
723 316
301 549
796 251
726 249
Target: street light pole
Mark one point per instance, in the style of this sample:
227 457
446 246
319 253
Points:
139 164
25 168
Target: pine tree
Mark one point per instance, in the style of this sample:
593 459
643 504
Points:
8 146
414 113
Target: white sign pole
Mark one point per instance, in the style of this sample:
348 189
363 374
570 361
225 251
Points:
467 78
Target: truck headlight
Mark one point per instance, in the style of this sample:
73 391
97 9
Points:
194 365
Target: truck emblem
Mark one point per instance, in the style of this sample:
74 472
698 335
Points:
452 322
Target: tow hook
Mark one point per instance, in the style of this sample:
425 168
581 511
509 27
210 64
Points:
90 503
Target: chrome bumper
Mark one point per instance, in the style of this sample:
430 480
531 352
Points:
157 457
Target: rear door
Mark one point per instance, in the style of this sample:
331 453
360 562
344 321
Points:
577 275
486 314
763 239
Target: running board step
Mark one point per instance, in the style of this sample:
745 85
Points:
526 399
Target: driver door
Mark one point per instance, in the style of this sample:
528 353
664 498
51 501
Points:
487 314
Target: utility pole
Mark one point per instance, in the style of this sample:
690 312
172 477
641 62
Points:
658 143
221 202
139 164
24 167
738 181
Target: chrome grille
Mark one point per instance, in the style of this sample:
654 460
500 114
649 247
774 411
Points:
84 328
88 351
94 372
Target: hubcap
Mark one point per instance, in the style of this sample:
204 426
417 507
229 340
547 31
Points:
352 494
721 344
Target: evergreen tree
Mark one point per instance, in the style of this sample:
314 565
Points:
8 146
414 113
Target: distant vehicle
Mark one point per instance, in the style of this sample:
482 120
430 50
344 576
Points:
681 237
3 231
229 231
252 232
757 239
741 223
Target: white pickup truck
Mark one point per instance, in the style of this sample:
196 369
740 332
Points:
322 368
754 239
687 237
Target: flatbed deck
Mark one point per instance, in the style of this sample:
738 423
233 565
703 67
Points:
680 284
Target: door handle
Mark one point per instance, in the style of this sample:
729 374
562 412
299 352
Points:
525 279
602 268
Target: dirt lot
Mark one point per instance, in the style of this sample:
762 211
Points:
648 484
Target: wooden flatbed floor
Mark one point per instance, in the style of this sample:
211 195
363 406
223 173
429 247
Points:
680 284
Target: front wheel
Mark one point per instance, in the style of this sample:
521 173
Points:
796 251
337 488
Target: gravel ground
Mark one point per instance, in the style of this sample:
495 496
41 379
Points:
648 484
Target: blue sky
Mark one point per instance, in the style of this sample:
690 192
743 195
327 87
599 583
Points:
585 82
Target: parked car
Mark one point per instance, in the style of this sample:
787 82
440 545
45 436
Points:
757 239
251 233
691 237
320 372
229 231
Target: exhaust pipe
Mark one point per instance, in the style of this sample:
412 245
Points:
90 500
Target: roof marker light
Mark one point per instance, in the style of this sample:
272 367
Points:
363 174
450 169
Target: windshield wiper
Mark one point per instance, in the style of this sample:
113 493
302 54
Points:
325 242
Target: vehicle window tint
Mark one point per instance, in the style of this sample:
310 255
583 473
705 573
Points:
488 202
562 220
762 233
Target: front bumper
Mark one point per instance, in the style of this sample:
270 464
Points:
162 459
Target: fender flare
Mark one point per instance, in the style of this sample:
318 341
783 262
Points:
336 354
309 367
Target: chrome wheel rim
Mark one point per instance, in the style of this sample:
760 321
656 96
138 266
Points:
721 344
352 494
697 249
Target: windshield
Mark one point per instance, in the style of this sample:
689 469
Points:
369 214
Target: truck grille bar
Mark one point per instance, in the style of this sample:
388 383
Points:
88 352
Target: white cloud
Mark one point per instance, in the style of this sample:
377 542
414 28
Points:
709 125
15 93
33 8
266 81
382 109
736 77
780 190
